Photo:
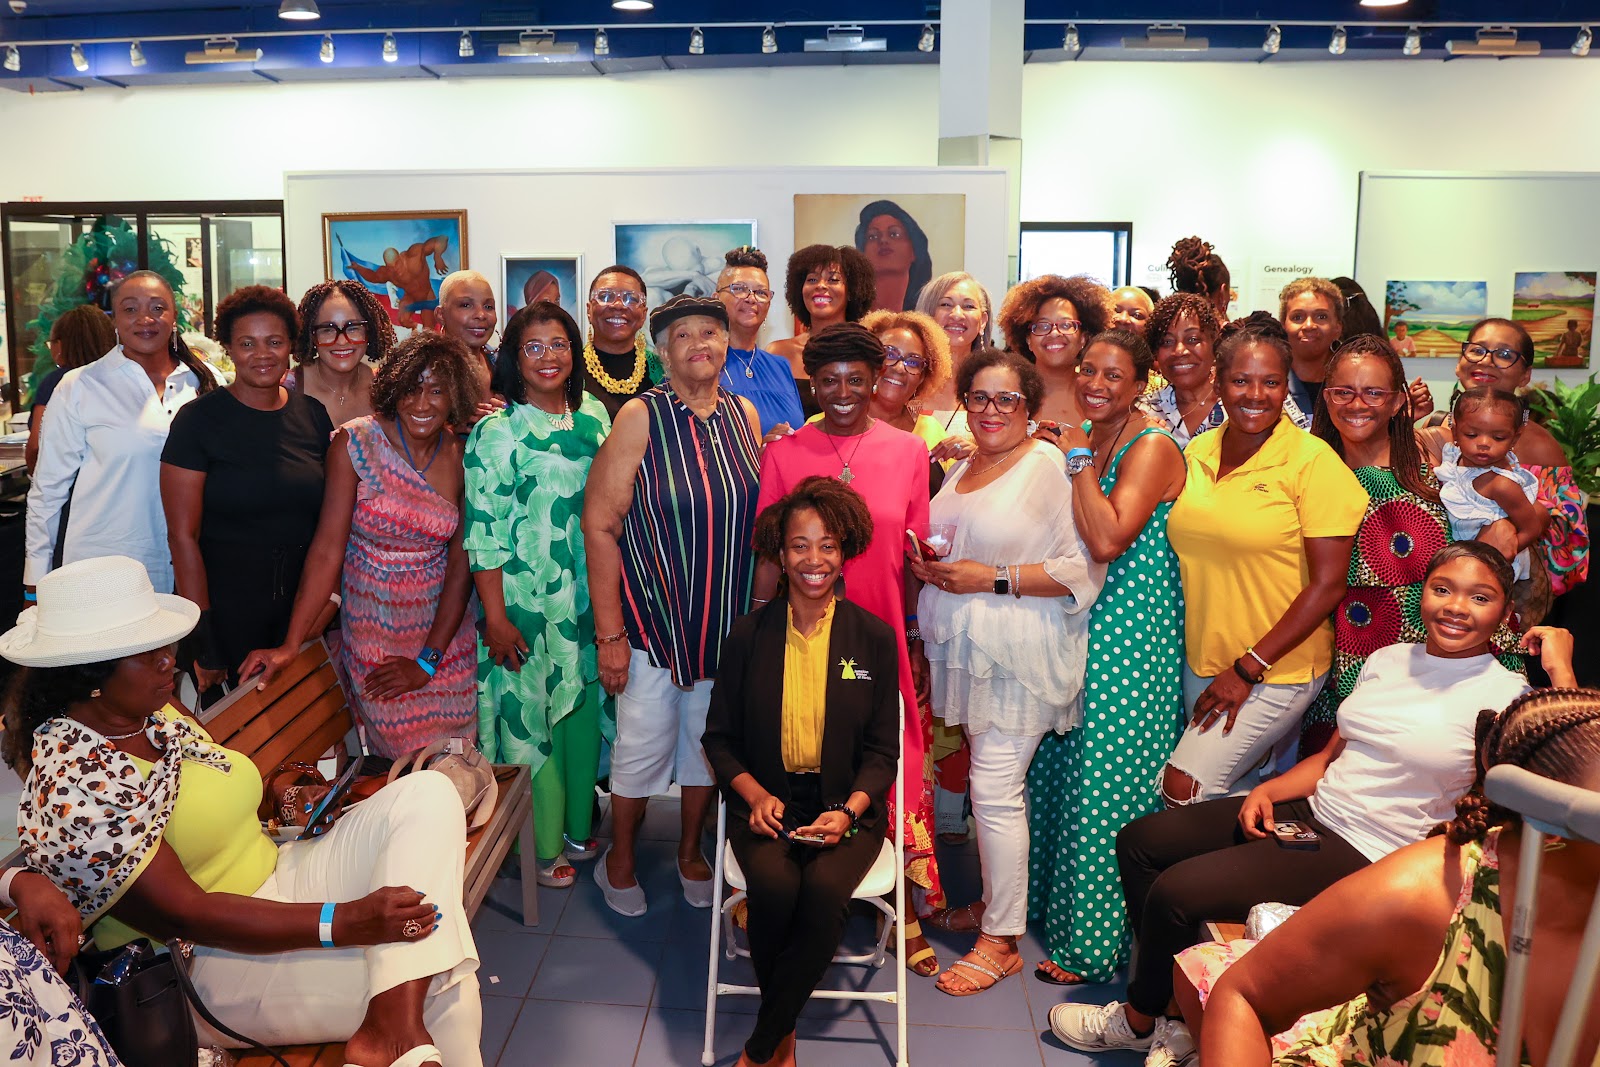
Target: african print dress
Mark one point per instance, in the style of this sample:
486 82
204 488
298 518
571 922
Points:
525 481
1085 785
42 1021
394 567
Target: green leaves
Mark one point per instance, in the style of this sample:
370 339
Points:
1572 415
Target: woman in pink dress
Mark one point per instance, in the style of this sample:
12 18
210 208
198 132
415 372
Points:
889 468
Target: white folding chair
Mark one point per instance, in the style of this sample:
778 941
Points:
1547 807
884 878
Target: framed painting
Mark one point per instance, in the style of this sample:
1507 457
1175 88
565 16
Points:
401 256
679 257
528 277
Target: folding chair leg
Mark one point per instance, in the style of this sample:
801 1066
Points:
528 861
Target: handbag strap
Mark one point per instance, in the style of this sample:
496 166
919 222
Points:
180 964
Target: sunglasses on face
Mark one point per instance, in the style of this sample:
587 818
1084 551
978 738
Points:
892 355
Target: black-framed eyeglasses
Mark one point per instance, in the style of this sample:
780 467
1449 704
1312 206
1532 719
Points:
626 297
891 355
554 349
1503 357
742 290
1343 395
1044 327
327 333
1004 403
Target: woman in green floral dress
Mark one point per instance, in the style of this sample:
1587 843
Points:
539 695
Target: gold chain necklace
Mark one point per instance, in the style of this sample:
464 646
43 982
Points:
630 384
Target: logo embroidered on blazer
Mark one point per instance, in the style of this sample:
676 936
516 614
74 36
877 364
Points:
1261 487
849 672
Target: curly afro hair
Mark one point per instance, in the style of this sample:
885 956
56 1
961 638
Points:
1169 309
860 282
935 345
380 331
1032 386
844 515
1090 299
426 352
251 300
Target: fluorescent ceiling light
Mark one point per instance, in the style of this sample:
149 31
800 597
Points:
136 54
538 43
846 39
1338 42
769 41
13 58
299 10
391 50
79 60
1493 41
325 53
697 42
1069 40
464 47
1167 37
632 5
1413 45
223 50
602 42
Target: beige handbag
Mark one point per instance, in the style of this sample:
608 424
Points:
467 769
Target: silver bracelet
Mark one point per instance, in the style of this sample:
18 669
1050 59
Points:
1016 581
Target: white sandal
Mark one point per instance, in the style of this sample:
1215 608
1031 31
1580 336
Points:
416 1057
546 873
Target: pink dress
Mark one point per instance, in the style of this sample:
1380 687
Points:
394 570
889 468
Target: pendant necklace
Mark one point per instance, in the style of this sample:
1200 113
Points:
749 371
562 421
437 442
847 475
1210 397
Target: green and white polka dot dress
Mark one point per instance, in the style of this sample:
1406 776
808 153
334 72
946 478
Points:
1086 785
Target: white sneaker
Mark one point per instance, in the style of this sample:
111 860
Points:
1096 1028
1173 1046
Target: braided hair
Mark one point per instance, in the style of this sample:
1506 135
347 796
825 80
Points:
1554 733
1256 328
175 343
745 256
1405 458
1196 268
380 331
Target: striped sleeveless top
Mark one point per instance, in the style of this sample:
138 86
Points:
687 557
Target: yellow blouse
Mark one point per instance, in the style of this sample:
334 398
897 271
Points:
805 689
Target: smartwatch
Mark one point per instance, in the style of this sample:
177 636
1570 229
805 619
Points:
1002 581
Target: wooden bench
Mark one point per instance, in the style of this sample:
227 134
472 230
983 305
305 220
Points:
303 715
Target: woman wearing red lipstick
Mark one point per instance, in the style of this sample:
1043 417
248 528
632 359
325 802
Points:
1047 321
824 286
344 334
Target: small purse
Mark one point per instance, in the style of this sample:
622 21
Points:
467 769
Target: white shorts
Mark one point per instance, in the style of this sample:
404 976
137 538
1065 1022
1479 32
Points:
1264 738
659 726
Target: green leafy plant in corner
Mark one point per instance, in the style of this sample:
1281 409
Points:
1572 415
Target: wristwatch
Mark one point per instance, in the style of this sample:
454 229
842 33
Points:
431 656
1002 581
1079 460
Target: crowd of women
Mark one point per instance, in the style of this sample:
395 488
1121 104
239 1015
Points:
1143 586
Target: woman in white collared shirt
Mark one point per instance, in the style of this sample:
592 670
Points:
108 424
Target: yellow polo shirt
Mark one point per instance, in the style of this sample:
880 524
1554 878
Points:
1239 545
805 693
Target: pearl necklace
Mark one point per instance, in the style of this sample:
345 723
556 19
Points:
616 386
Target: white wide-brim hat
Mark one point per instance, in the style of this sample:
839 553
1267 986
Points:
96 610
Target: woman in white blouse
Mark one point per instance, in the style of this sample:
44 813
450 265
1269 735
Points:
1005 625
108 424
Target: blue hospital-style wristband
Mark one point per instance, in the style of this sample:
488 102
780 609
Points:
427 668
325 925
29 597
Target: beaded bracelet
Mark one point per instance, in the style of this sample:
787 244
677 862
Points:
855 820
611 639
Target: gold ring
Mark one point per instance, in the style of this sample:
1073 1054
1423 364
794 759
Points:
412 928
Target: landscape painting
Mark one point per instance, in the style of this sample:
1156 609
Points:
1432 318
1557 309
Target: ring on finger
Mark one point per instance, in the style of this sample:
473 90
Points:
412 928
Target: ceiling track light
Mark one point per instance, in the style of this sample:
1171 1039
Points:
926 41
1580 47
1167 37
13 58
538 43
602 42
846 38
1070 42
391 51
1494 41
1383 3
697 42
79 60
769 41
136 54
464 47
299 10
632 5
1273 42
223 50
1413 45
325 53
1339 41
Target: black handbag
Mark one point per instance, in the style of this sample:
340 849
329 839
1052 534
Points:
141 1000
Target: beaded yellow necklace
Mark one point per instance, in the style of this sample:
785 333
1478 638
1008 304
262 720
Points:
617 386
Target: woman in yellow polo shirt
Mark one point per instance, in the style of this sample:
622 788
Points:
1263 531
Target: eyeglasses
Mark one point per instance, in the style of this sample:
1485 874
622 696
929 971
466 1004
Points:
1500 357
741 290
1044 327
327 333
891 354
1004 403
536 349
626 297
1343 395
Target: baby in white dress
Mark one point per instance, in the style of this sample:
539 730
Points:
1480 481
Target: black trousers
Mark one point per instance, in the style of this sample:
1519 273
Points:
798 896
1184 866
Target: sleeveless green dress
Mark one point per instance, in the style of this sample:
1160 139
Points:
1086 785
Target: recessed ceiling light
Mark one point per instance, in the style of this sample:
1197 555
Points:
632 5
299 10
1383 3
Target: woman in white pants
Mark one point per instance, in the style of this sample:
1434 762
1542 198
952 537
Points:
1005 625
151 829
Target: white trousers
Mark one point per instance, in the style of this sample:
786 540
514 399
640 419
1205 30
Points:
410 834
659 726
997 786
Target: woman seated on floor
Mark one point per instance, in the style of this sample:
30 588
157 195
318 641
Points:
1371 945
805 805
1402 749
151 830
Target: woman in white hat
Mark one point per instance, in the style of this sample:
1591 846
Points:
150 828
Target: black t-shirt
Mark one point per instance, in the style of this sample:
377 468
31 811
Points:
42 394
263 468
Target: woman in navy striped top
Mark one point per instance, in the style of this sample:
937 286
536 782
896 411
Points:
668 518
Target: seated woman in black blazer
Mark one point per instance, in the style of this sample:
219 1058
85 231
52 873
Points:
803 736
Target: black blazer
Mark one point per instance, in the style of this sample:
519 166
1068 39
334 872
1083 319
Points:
860 743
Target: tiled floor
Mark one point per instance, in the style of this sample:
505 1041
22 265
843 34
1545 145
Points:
591 987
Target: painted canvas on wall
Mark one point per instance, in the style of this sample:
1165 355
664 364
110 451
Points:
679 257
1432 318
1557 309
401 256
908 237
525 279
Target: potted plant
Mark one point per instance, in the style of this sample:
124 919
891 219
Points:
1572 415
